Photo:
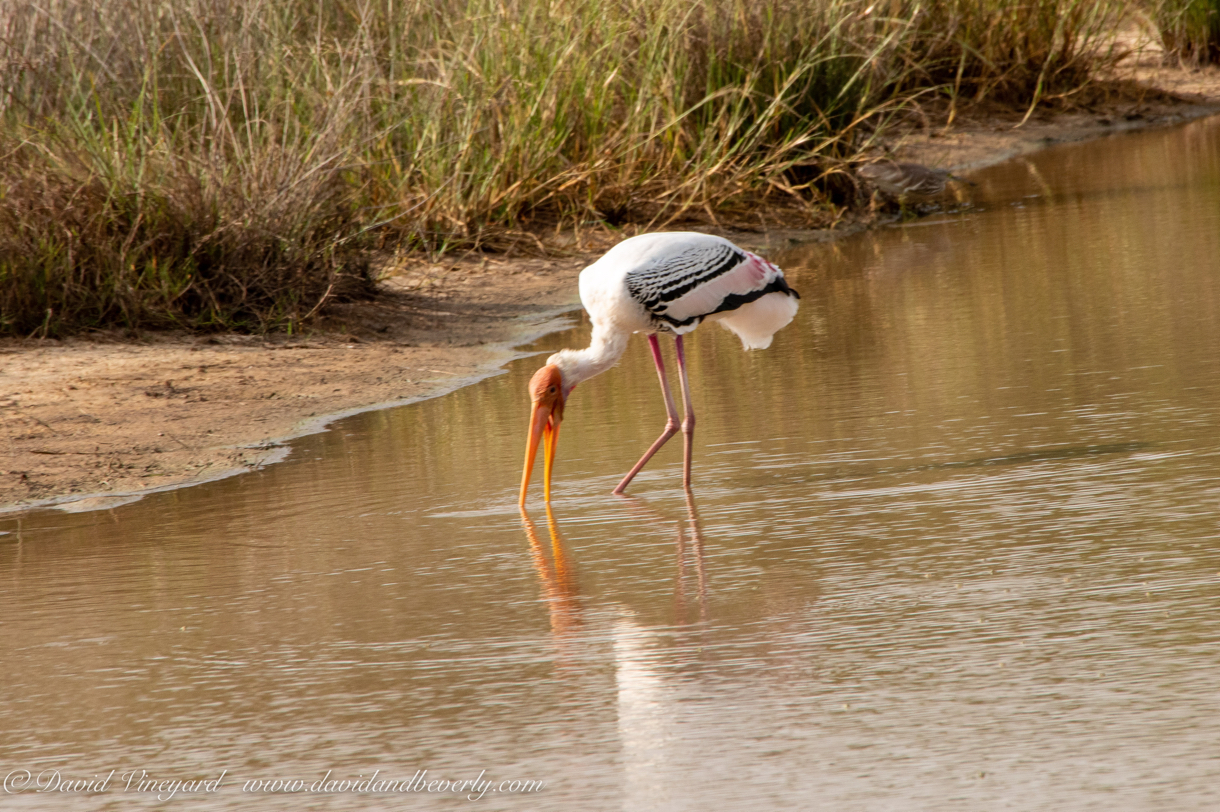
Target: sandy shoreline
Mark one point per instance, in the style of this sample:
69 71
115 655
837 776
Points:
108 415
86 421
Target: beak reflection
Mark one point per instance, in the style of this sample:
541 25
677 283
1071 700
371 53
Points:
558 583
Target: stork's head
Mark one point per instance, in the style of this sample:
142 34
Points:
548 396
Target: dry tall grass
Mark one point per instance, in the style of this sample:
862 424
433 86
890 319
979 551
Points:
228 163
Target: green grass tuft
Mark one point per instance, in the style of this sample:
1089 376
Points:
1190 29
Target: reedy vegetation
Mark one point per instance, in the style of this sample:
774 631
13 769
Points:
230 163
1190 28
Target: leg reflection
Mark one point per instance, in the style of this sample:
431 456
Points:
648 515
697 535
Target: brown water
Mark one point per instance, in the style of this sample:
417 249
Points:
955 548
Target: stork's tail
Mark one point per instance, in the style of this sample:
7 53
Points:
757 322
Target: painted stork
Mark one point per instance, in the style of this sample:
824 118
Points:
657 283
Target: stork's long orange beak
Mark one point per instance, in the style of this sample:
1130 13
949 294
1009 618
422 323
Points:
546 392
544 425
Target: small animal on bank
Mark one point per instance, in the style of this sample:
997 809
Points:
906 181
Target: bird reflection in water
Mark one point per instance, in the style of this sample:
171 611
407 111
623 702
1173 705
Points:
688 534
558 582
559 586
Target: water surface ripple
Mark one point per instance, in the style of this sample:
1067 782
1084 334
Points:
952 546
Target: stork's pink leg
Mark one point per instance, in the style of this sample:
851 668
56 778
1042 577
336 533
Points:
671 425
688 424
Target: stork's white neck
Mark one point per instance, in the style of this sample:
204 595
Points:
603 352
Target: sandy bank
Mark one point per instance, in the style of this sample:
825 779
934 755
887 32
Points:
108 415
111 414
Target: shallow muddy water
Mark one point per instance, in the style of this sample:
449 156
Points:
953 545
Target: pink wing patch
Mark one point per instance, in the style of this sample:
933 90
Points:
753 274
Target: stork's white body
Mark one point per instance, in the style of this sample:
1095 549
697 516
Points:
672 282
661 283
674 260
